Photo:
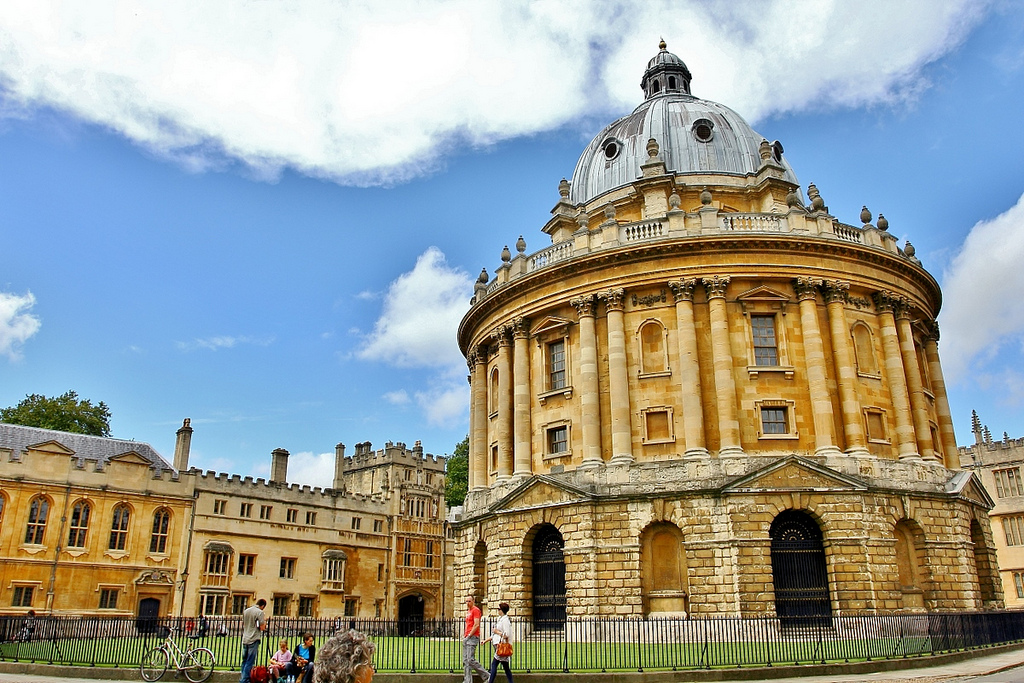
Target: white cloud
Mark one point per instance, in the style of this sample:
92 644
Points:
379 92
982 291
422 310
315 469
223 342
17 324
398 398
445 405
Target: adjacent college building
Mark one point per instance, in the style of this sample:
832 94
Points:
707 395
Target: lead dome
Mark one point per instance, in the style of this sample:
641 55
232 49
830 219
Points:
696 136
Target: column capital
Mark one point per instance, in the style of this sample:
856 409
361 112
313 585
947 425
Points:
502 334
715 286
477 355
683 289
614 299
835 291
889 302
520 327
585 305
933 331
806 288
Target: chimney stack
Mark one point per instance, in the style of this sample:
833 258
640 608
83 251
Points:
279 466
182 445
339 467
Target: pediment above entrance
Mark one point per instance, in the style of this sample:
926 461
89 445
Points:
794 474
967 486
540 491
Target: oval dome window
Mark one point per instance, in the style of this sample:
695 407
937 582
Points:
703 130
611 148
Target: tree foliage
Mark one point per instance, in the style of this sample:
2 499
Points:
66 413
457 474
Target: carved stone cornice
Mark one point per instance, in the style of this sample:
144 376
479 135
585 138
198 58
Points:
806 288
835 291
614 299
683 289
586 305
520 327
715 286
502 334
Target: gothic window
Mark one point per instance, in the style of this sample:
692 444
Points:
119 528
1013 530
161 529
78 525
653 357
766 348
35 529
864 347
1008 482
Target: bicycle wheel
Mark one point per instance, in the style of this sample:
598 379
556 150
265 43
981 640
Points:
154 664
198 664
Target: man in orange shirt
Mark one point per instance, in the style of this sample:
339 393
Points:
470 639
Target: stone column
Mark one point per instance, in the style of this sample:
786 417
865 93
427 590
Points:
523 459
836 293
618 377
814 357
725 382
915 384
689 369
945 418
906 441
502 335
590 400
478 420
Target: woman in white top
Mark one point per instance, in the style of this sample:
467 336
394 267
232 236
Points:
502 631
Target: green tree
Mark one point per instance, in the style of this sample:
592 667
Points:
457 474
66 413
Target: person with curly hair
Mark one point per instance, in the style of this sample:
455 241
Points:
345 658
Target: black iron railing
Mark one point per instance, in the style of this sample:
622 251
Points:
580 645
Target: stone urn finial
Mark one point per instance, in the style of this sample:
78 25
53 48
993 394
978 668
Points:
609 211
817 203
909 249
653 148
484 277
583 220
674 201
506 255
563 188
765 150
705 197
865 215
793 200
883 223
521 245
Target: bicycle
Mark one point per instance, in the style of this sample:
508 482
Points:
196 663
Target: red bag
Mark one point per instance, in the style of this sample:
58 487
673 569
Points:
259 674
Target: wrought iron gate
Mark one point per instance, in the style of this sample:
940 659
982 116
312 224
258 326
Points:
799 571
548 579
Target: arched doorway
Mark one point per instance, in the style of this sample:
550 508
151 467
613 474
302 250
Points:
410 615
984 564
799 570
548 579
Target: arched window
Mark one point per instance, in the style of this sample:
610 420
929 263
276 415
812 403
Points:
656 87
38 509
119 528
799 571
864 346
494 391
664 572
78 525
672 82
652 348
161 527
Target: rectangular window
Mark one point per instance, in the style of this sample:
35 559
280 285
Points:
287 567
281 605
556 365
292 515
774 420
430 554
1013 530
216 565
1018 583
246 565
430 478
245 510
351 606
766 350
657 424
108 598
334 573
265 511
305 606
310 518
378 525
1008 482
876 425
380 572
407 555
357 522
239 602
558 439
212 604
22 596
408 475
219 506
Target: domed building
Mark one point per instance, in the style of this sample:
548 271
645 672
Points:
708 395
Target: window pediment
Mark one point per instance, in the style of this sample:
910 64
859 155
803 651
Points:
551 324
52 446
763 298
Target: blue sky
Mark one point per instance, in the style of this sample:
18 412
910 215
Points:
267 216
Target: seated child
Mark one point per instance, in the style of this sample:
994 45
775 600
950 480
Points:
280 662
